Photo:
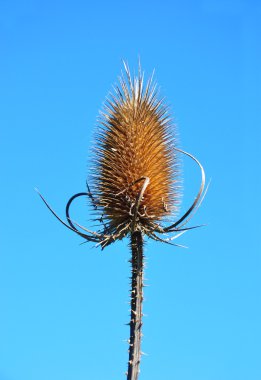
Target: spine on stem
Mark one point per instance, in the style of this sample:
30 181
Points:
137 266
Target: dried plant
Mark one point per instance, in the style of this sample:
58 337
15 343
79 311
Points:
135 184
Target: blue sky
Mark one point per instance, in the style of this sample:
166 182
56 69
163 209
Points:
64 305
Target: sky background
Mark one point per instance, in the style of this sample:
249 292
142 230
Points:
64 306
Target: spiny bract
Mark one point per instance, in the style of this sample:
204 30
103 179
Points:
135 142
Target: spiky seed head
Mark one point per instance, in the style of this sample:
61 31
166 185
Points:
135 139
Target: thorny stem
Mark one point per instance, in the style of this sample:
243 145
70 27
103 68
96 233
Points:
136 305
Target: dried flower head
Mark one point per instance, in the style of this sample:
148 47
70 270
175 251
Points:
134 178
135 156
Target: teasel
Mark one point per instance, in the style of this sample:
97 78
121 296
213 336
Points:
135 181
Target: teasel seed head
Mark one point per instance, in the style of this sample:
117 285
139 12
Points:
134 144
135 176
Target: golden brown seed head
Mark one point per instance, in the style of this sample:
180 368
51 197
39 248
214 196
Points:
135 139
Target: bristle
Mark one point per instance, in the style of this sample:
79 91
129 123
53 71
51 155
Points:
135 139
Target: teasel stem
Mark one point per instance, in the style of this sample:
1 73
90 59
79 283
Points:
136 305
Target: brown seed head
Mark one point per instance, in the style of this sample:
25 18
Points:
134 144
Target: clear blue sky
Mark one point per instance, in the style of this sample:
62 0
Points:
63 306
